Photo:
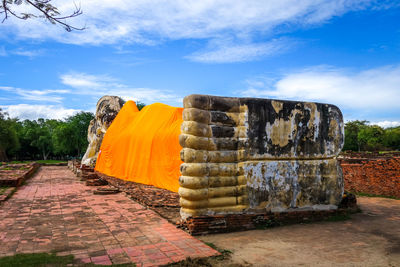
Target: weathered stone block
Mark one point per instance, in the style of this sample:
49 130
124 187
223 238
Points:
246 155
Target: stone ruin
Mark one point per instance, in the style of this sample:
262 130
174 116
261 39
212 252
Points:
247 160
107 109
249 155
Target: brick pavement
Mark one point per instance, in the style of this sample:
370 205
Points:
54 211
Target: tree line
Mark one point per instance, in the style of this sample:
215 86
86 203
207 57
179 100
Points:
361 136
43 138
63 139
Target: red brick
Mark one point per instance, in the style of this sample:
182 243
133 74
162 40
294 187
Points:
378 176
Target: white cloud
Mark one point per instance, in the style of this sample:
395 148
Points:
371 94
372 91
21 52
99 85
27 53
84 80
6 88
36 95
228 51
33 112
149 22
386 124
148 95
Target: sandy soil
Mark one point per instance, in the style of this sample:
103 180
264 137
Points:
370 238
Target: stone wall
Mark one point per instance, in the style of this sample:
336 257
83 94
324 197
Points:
248 155
372 174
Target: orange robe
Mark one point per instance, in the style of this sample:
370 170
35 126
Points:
143 146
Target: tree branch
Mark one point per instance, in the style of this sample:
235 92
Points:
48 11
5 10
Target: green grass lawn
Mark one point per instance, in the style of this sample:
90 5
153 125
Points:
37 259
49 161
46 259
18 162
385 152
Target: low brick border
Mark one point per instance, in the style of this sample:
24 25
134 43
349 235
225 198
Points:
31 172
204 225
14 184
7 194
18 181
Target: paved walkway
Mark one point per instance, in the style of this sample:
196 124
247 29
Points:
54 211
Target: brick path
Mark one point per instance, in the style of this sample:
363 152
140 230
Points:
54 211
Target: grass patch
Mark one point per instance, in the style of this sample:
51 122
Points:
220 250
268 224
51 161
338 218
220 260
19 162
46 259
386 152
36 259
99 265
361 194
48 161
189 262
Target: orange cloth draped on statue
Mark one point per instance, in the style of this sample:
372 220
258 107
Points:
143 146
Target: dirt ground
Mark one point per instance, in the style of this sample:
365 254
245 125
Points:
370 238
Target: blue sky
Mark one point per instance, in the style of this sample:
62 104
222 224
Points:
345 53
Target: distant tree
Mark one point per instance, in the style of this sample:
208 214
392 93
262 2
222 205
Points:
44 9
9 143
391 139
61 139
351 130
27 134
371 138
33 139
77 126
13 137
39 136
140 105
43 139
